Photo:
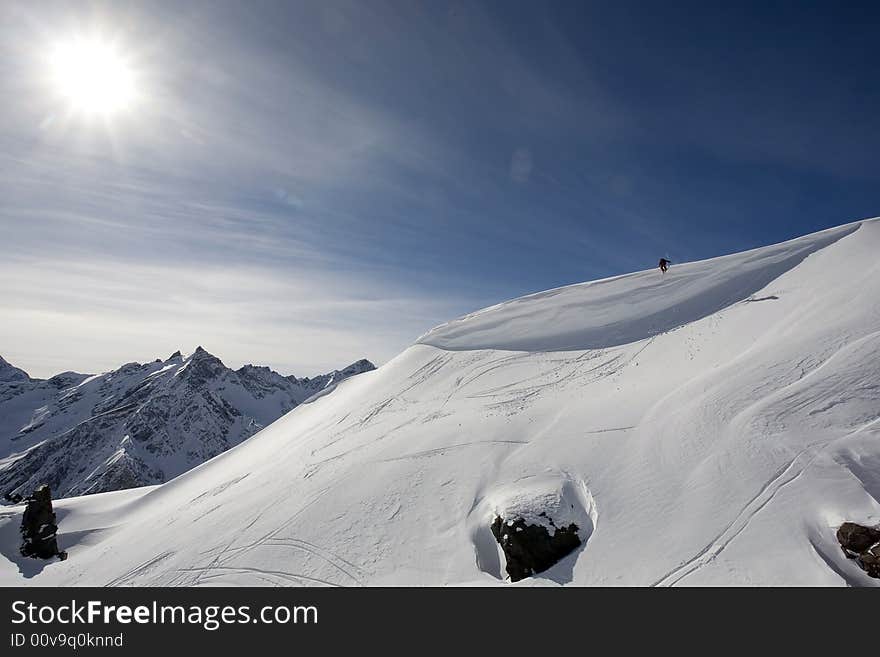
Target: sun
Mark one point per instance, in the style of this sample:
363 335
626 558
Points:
92 76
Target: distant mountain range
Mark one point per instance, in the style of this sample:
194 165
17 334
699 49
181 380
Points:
140 424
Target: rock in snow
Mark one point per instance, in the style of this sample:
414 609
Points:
869 560
38 528
532 549
536 521
855 539
862 544
711 426
138 425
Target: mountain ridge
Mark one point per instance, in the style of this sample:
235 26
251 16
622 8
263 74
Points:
94 433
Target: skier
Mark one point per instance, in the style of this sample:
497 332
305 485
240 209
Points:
664 265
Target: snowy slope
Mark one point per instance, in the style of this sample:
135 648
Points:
139 424
711 426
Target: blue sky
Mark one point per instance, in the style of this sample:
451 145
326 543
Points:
301 184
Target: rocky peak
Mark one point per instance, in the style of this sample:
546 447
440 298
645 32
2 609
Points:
9 373
202 367
256 370
358 367
67 380
321 381
261 380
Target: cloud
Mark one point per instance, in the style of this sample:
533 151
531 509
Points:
521 165
88 315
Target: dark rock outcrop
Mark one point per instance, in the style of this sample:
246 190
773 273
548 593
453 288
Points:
38 528
531 549
862 544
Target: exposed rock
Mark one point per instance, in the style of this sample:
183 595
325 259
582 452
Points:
531 549
855 539
38 528
862 544
869 560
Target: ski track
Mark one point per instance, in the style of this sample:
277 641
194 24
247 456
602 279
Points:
220 571
751 412
320 553
271 538
564 377
138 570
737 525
317 548
785 476
441 450
218 559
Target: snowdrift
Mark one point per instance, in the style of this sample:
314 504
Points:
711 426
625 309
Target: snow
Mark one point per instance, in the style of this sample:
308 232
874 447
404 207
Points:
537 500
625 309
710 426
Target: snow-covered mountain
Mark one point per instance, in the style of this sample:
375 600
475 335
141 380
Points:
713 425
140 424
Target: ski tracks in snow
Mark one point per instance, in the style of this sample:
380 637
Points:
783 477
787 474
223 563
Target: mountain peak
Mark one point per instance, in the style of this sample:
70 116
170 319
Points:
203 366
201 354
9 373
175 356
253 369
362 365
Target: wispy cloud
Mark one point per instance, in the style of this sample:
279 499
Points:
521 165
94 315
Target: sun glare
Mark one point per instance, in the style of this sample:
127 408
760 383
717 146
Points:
93 76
